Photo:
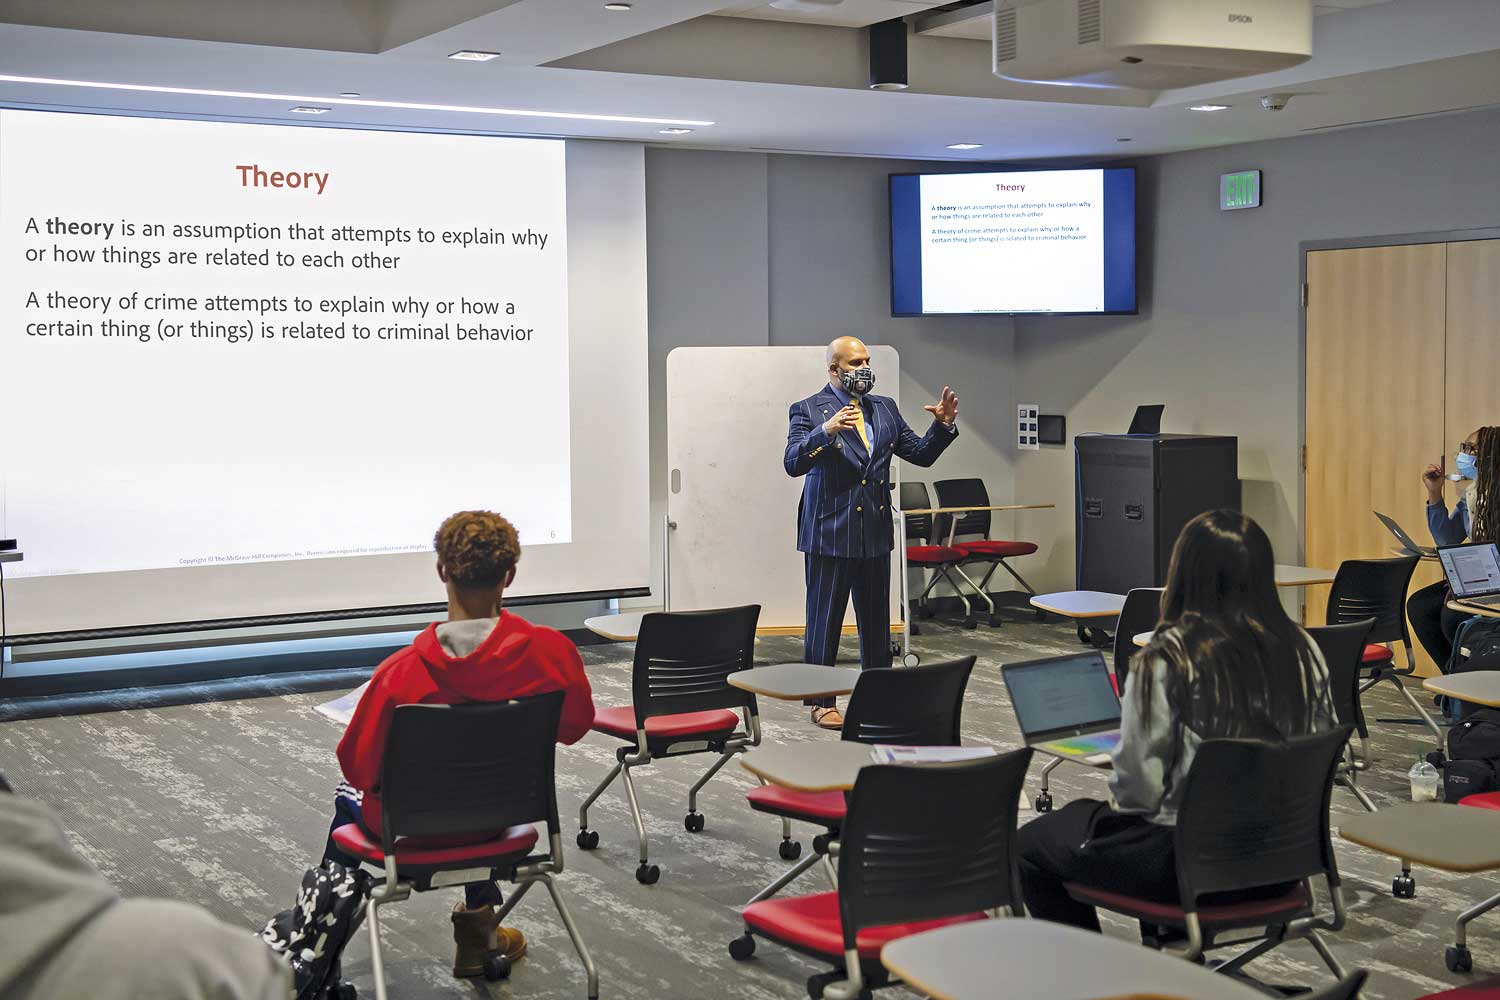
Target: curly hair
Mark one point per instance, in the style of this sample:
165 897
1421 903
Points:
1486 513
478 548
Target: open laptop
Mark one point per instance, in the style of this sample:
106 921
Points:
1066 705
1473 572
1410 547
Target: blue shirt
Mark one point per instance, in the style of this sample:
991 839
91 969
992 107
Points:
1449 529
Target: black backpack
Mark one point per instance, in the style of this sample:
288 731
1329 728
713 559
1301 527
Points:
1473 755
312 934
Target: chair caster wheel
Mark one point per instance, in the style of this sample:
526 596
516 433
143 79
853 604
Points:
996 621
910 660
693 822
971 622
588 839
820 843
1403 887
647 874
742 948
1458 959
790 850
496 967
1437 758
345 991
1041 615
1043 802
915 628
815 984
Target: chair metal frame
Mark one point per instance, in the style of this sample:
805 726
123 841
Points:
523 874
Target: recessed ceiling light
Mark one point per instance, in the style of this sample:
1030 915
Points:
1122 140
674 131
307 109
144 88
349 93
967 145
617 6
474 55
1209 107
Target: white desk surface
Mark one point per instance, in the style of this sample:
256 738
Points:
1142 638
1018 958
809 766
1482 687
796 681
623 627
1302 576
1080 603
1441 835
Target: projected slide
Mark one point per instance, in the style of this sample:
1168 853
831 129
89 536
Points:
225 343
1036 241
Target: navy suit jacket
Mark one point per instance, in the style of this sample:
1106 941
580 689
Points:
846 497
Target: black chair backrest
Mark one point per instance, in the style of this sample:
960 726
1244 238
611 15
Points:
909 706
1345 989
1141 612
963 493
918 526
475 768
921 843
682 658
1343 646
1255 813
1373 588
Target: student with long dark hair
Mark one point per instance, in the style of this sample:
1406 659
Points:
1225 662
1476 517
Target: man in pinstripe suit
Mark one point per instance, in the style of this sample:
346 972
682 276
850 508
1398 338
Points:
842 440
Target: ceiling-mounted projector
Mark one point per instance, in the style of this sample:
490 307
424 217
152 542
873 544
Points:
805 6
1148 44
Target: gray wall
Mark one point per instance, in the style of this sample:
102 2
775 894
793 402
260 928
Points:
749 248
1217 339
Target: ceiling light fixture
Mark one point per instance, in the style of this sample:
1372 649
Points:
1123 140
306 109
473 55
350 93
1209 107
617 6
351 102
966 145
674 131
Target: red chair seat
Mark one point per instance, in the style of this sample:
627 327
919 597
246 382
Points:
1241 914
811 923
825 807
621 722
1377 654
995 548
518 840
1483 800
932 555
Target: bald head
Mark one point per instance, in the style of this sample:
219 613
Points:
845 349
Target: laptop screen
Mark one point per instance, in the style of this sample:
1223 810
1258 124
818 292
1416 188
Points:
1062 694
1473 570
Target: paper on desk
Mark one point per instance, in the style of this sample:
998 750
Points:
341 709
884 753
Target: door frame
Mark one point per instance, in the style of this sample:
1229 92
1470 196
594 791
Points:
1348 243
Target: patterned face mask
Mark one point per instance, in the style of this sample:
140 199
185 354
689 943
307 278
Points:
859 381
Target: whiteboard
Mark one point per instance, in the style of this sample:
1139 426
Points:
734 506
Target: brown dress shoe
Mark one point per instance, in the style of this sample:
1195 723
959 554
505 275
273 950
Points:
827 718
476 933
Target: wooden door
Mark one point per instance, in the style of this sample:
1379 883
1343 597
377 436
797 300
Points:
1374 402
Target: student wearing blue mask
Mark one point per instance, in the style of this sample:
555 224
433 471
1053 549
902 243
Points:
1475 516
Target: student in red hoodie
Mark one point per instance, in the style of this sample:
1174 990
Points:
480 653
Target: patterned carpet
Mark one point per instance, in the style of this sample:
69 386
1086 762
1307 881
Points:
224 803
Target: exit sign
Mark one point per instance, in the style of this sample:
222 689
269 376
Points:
1239 190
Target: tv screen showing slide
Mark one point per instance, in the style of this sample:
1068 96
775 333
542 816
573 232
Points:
248 369
1035 241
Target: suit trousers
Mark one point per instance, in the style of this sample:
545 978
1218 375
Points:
830 581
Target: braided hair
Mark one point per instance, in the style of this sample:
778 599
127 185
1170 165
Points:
1486 513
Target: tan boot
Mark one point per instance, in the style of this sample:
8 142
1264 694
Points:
476 933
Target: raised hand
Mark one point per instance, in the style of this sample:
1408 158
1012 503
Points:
945 409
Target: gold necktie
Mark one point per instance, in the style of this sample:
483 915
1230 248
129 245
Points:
859 423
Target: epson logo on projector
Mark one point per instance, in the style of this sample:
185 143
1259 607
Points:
1241 19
